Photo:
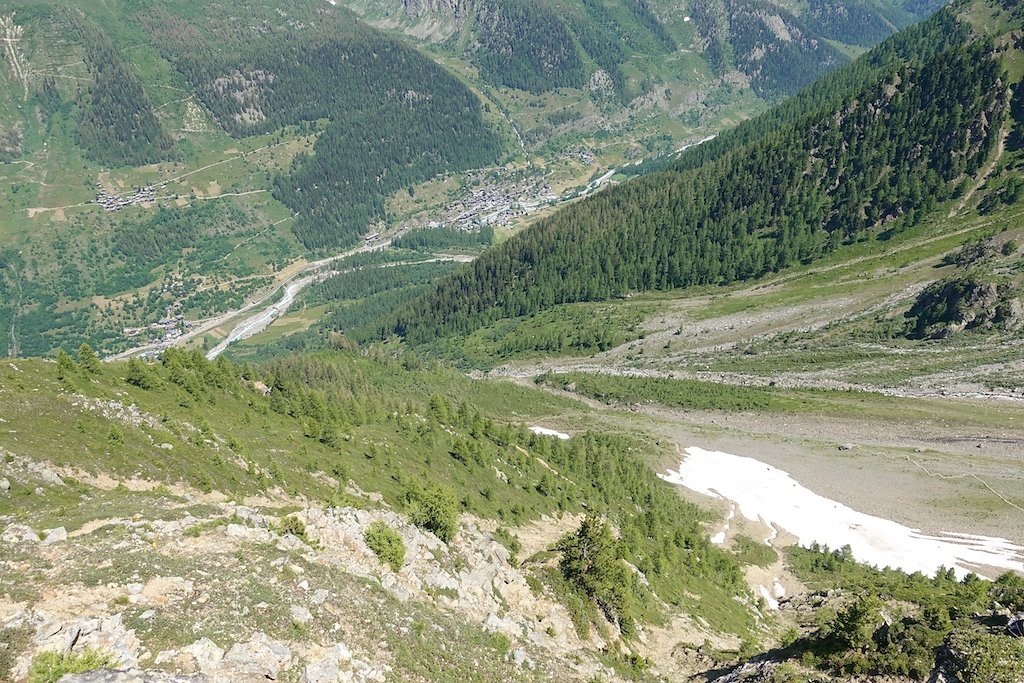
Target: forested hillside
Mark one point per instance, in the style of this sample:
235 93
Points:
117 126
885 155
543 45
391 117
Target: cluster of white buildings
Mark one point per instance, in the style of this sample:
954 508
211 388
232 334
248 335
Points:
115 202
172 327
496 205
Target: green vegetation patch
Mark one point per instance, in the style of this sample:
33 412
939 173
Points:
386 544
49 667
893 623
749 551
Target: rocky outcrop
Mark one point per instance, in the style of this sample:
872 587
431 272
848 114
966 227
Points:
106 634
976 300
472 575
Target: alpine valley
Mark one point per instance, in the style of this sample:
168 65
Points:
511 340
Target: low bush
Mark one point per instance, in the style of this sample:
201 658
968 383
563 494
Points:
386 544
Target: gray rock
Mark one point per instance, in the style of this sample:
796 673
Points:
5 485
334 667
71 636
131 676
289 542
20 533
55 535
319 596
261 656
207 655
391 585
44 473
236 530
520 658
300 614
47 629
251 517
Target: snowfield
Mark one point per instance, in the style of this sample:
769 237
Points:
544 431
765 493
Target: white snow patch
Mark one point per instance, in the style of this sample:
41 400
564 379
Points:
772 602
719 538
544 431
766 493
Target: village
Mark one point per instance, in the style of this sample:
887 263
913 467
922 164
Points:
111 201
496 204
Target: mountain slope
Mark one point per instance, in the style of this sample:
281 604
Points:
188 147
885 154
539 45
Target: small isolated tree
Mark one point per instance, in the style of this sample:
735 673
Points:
65 365
386 544
138 375
88 359
591 564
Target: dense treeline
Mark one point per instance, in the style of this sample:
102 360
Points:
781 52
368 281
892 150
919 43
427 239
393 116
856 22
777 66
160 238
118 126
525 45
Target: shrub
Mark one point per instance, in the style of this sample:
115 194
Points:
296 527
749 551
433 509
986 658
590 563
48 667
386 544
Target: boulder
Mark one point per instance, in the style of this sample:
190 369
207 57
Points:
334 666
20 533
300 614
261 656
55 535
207 655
